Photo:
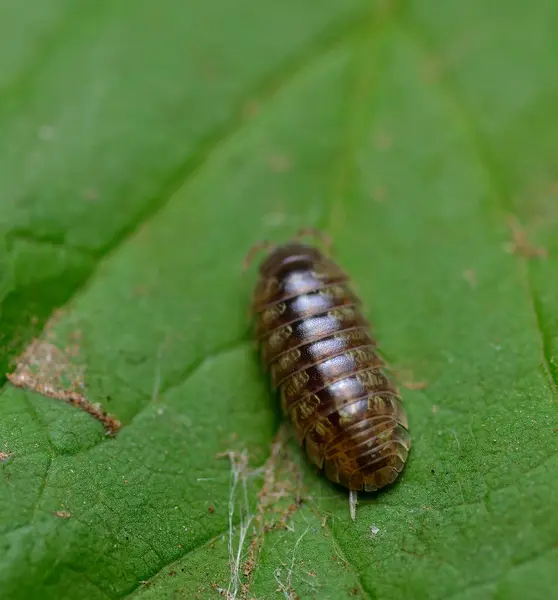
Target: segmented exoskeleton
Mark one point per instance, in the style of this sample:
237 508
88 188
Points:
317 346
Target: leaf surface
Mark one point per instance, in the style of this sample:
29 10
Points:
146 148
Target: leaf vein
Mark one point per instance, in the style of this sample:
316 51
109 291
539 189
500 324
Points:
264 91
449 91
200 546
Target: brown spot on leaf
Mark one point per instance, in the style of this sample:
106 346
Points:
520 243
432 69
415 385
408 380
47 369
279 163
380 193
62 514
470 277
5 456
383 141
250 109
91 194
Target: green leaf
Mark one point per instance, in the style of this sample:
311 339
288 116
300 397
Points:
146 147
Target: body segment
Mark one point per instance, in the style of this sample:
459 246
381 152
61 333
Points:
317 347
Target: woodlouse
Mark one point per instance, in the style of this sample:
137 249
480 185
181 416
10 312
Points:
321 356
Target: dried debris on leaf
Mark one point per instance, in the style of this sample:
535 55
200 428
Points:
520 243
287 587
278 499
379 193
470 276
415 385
239 474
408 380
48 370
280 163
5 456
382 140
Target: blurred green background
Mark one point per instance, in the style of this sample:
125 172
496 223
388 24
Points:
144 148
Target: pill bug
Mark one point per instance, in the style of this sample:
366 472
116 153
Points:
318 349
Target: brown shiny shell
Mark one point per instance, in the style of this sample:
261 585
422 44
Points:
321 356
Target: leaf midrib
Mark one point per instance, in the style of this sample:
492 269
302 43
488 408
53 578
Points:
264 90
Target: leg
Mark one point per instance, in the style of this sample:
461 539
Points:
254 250
353 501
323 237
